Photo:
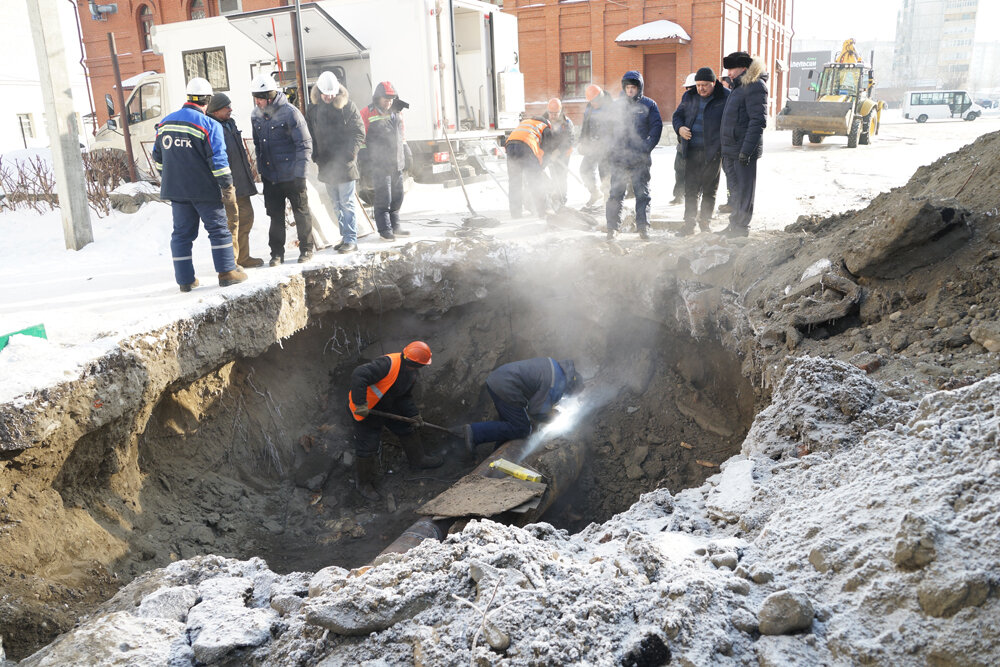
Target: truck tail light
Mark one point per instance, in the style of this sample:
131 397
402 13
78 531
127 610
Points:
441 157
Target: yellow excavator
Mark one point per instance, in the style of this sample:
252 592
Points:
843 107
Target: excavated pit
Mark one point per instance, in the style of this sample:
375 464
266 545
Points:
254 457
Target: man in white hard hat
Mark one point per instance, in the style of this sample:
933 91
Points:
190 154
284 146
338 134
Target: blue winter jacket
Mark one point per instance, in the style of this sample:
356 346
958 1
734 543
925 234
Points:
745 115
687 112
281 140
639 127
535 384
190 154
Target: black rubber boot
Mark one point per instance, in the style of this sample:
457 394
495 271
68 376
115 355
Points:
366 469
415 455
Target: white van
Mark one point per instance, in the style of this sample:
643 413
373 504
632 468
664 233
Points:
924 105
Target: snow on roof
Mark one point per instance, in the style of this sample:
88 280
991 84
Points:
133 81
661 29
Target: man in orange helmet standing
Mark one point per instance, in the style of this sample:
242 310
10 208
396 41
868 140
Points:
387 384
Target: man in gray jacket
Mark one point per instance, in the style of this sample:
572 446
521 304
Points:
522 391
283 147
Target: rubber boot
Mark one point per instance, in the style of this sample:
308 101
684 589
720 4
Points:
415 455
366 469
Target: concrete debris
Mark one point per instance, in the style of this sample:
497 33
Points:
784 612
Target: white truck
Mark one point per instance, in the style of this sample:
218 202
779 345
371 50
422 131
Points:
454 61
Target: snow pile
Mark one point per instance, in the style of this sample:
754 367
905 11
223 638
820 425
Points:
878 551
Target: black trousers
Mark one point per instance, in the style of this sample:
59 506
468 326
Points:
368 431
742 186
621 177
275 195
680 168
388 186
701 179
522 165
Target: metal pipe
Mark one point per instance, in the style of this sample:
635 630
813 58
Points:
559 461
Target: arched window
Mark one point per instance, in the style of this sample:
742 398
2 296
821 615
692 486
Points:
146 27
197 10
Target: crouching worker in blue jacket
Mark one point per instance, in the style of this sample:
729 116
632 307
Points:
522 391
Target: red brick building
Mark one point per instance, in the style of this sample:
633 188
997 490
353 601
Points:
566 44
132 24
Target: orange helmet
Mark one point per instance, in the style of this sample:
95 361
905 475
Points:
554 105
593 90
418 352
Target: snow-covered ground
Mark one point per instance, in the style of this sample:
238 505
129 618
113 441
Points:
122 284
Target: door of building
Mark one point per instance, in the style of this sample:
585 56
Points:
659 71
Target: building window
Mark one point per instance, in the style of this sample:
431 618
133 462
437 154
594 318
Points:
27 127
209 64
575 74
146 27
230 6
197 10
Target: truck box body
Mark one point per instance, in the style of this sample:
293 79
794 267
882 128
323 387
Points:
453 61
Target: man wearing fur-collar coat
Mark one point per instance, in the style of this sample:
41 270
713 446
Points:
338 134
743 123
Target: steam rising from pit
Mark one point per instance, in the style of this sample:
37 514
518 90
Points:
569 414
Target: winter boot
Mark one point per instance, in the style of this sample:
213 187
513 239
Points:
366 470
227 278
415 455
189 286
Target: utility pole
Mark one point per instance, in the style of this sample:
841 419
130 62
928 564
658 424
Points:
60 121
123 113
300 59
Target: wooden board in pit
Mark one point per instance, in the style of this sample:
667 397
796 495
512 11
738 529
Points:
482 496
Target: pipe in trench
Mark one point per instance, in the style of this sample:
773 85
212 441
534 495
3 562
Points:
559 461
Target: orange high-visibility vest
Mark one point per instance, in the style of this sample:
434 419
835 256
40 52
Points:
377 391
530 132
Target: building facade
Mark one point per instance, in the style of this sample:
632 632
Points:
934 43
132 22
566 45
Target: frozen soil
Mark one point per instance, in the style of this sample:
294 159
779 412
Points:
843 372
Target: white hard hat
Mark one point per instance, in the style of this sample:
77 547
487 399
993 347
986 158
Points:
689 81
263 83
328 83
199 87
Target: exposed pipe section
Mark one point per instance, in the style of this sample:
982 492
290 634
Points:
559 462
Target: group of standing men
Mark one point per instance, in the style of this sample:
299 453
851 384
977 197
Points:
718 129
206 172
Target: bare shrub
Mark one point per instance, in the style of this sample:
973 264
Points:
30 184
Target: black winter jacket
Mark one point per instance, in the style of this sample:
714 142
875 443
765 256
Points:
687 112
596 133
399 396
745 115
561 144
536 384
239 162
338 134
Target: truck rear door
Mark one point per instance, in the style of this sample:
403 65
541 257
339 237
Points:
508 81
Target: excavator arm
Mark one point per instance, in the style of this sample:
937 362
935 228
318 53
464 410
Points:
848 53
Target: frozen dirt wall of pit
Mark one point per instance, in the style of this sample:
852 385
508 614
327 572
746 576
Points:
95 467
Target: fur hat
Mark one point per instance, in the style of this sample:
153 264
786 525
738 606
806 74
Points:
218 101
705 74
737 59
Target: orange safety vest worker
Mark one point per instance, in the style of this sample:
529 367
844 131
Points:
377 391
530 132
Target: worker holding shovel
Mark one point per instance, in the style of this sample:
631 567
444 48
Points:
387 382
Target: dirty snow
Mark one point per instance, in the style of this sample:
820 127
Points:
820 548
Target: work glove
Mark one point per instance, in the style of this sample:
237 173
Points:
744 159
362 411
418 421
229 195
300 184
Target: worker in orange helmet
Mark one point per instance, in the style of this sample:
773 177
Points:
560 148
595 144
386 384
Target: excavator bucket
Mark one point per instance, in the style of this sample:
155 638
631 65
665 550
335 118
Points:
823 117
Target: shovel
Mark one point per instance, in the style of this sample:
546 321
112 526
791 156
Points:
409 420
475 220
